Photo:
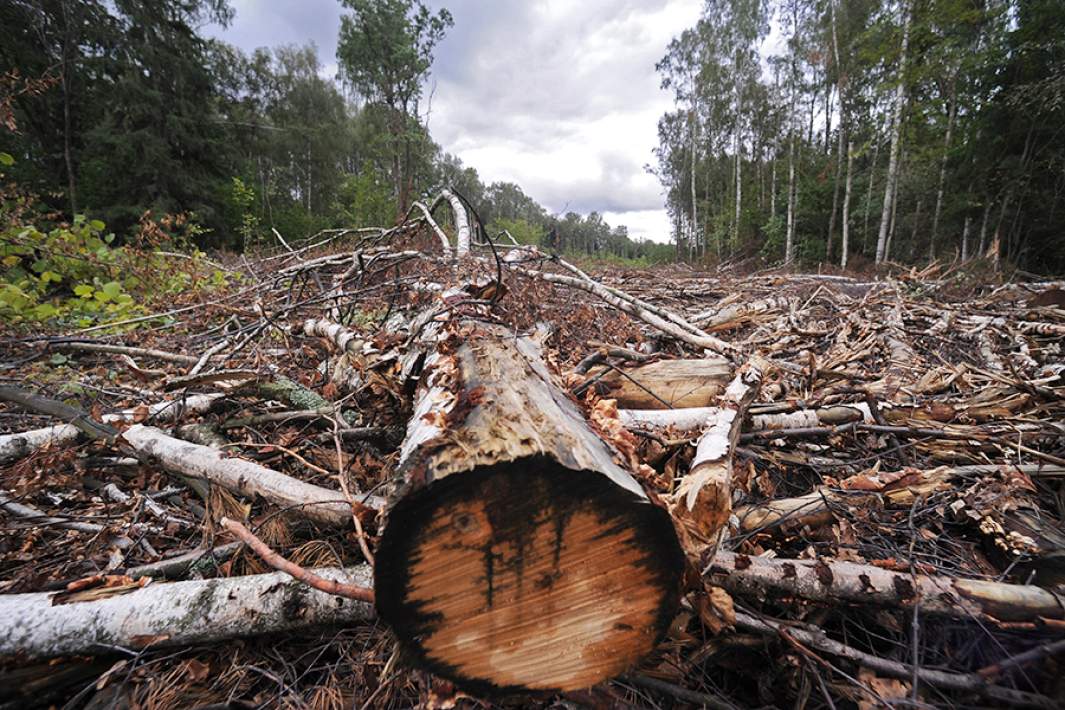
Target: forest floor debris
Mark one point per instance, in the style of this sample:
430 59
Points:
907 435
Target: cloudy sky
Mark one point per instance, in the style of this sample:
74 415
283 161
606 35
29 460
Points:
558 96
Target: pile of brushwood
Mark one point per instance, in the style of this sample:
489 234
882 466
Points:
398 467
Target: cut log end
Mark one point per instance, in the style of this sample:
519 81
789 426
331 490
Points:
528 576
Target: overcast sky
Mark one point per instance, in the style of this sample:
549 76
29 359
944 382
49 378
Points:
558 96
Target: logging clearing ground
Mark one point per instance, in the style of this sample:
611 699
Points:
952 470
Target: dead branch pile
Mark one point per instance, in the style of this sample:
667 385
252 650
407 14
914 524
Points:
674 487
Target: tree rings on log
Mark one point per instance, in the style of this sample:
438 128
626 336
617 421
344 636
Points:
527 575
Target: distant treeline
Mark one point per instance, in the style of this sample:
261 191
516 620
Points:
889 129
122 106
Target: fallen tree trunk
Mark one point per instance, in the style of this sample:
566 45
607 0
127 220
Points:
16 446
518 555
833 581
723 318
248 478
176 614
665 384
693 418
816 508
203 462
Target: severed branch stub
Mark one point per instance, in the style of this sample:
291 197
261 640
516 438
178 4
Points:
518 554
702 501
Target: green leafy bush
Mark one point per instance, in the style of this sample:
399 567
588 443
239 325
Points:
79 274
67 272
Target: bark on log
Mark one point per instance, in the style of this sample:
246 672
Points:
816 508
692 418
462 223
245 477
666 384
723 318
16 446
175 614
519 555
834 581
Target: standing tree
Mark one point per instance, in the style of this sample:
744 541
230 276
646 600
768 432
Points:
385 51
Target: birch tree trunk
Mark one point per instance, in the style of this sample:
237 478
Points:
789 243
693 230
739 191
983 228
835 196
869 190
773 181
896 129
965 239
176 614
462 223
951 116
839 141
847 205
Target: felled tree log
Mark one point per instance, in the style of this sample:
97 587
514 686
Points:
175 614
834 581
729 316
666 384
202 462
240 475
694 418
518 554
16 446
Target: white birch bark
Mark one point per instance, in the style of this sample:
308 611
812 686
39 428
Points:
240 475
896 129
462 223
965 239
694 226
951 115
177 613
833 581
844 249
20 445
789 242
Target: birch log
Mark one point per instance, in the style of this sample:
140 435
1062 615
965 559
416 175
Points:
175 614
240 475
462 223
835 581
518 555
695 417
16 446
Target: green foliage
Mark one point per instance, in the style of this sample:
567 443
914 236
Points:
75 273
773 232
522 230
69 272
386 48
366 199
241 200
